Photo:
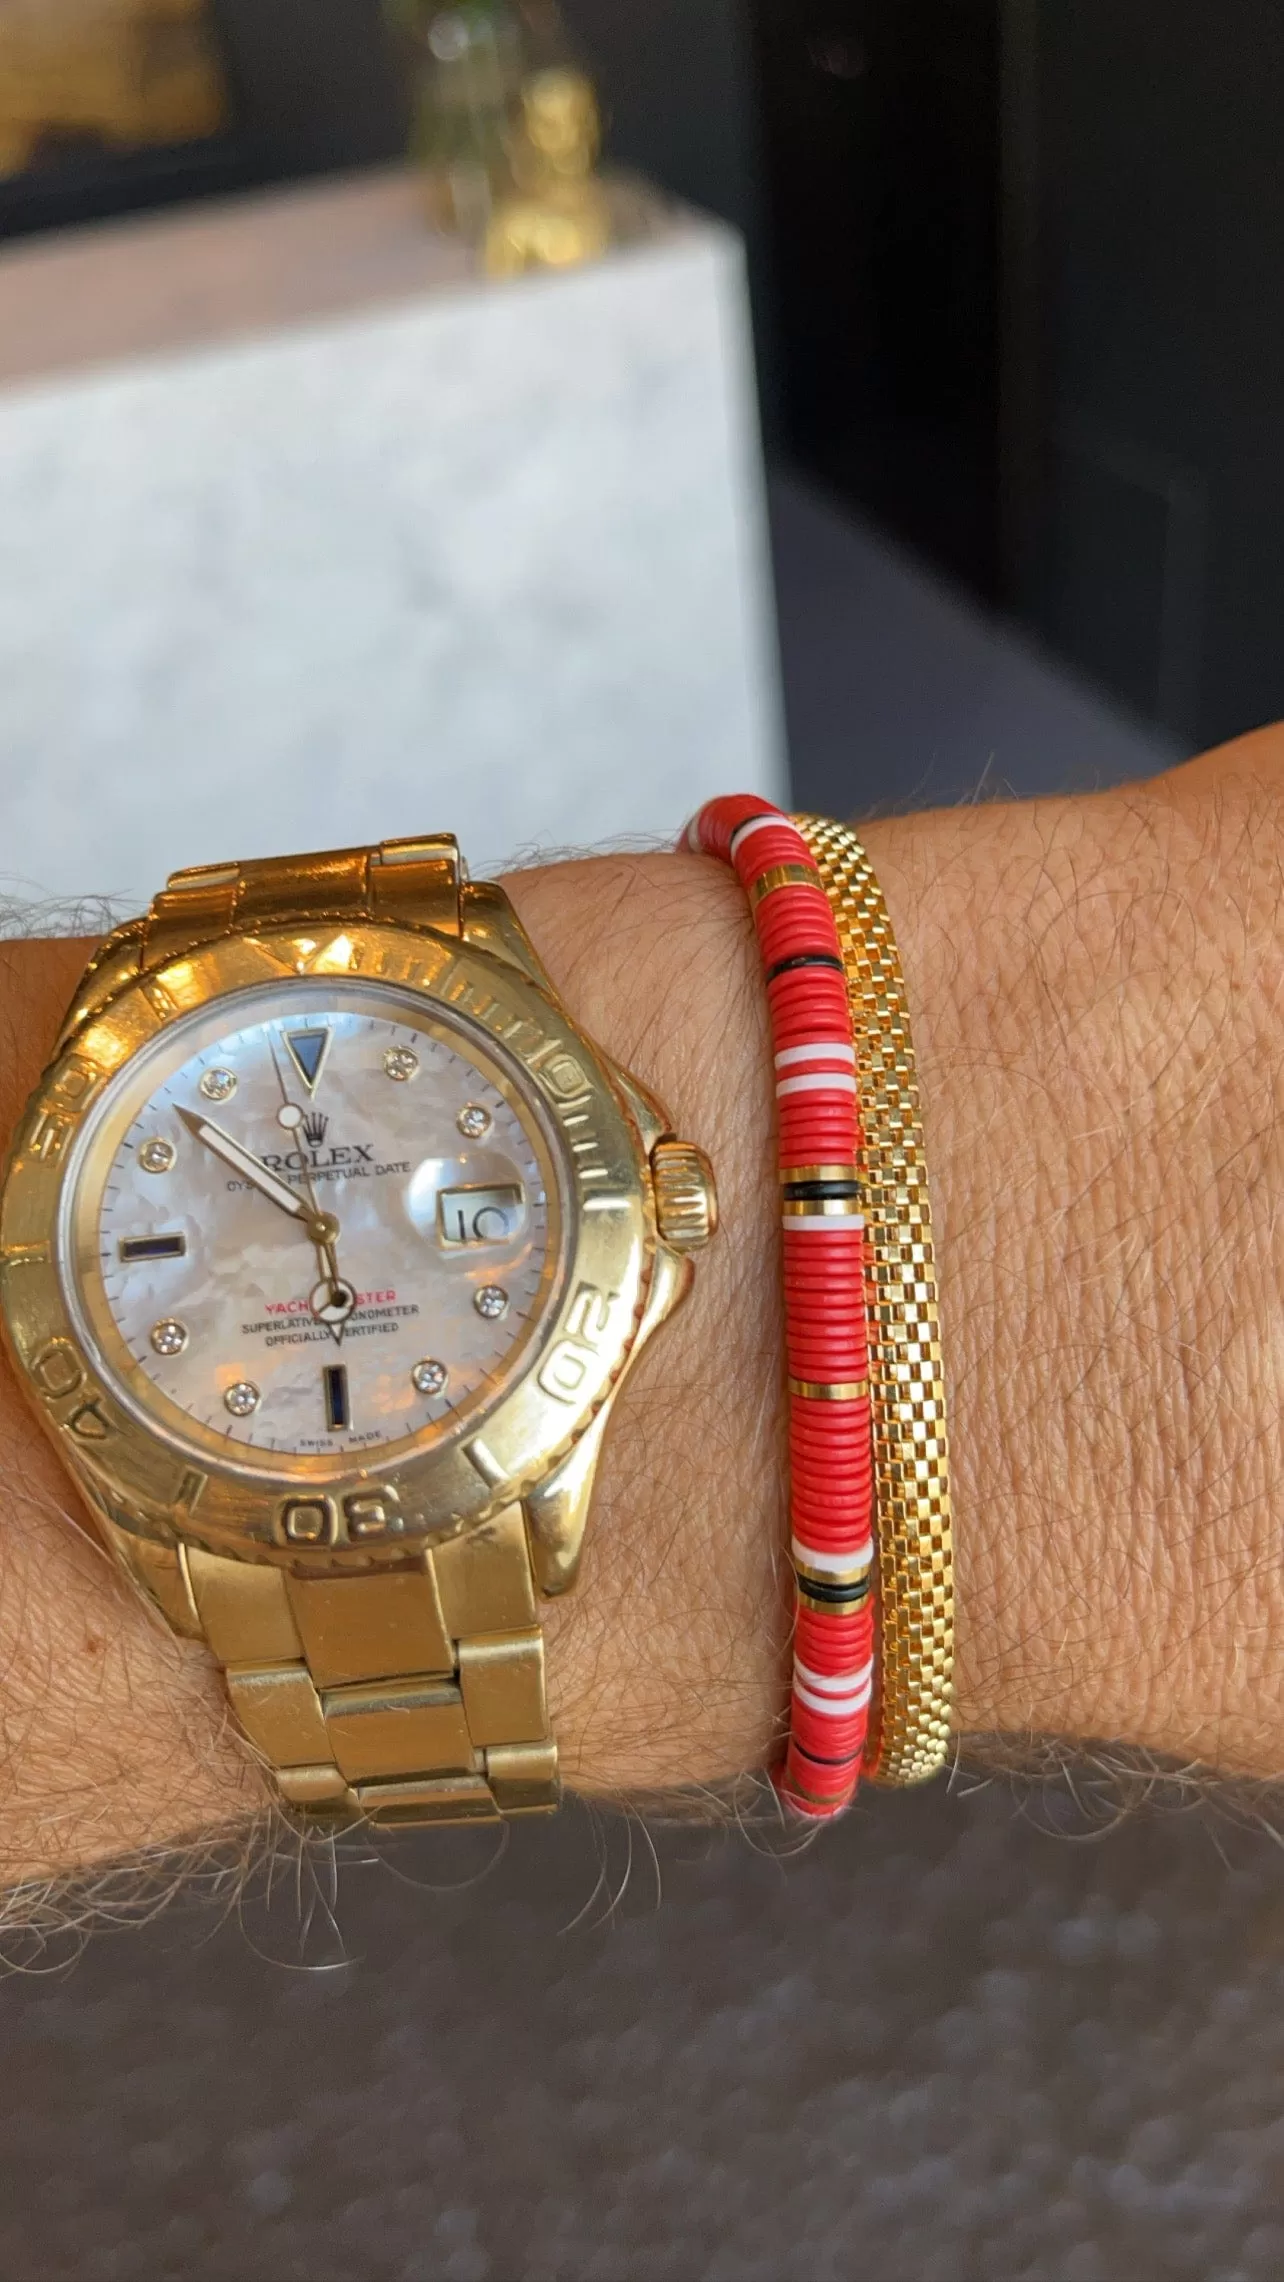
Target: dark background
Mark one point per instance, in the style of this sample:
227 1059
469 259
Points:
1015 282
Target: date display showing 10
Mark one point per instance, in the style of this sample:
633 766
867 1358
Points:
479 1216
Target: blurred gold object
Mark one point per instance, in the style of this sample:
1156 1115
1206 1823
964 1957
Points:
560 215
562 128
469 67
122 73
507 130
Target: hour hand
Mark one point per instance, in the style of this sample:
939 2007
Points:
249 1167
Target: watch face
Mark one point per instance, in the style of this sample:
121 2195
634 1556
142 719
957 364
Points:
313 1220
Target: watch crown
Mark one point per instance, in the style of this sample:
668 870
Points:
686 1196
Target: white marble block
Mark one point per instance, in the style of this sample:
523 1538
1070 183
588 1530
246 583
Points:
307 539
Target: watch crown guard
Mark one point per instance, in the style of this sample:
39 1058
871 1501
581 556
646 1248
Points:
686 1198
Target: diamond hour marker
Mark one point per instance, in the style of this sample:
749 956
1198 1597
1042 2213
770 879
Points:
168 1336
474 1121
242 1398
429 1377
157 1155
491 1301
400 1064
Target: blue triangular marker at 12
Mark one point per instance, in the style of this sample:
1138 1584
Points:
307 1052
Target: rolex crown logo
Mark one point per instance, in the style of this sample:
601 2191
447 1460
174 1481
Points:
314 1128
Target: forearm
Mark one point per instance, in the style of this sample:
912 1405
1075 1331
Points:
1097 1002
1094 993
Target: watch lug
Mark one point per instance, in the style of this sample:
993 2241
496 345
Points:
491 924
649 1115
158 1572
557 1511
671 1280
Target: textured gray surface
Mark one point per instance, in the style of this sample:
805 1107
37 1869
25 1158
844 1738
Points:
942 2046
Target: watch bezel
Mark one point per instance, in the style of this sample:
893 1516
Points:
373 1510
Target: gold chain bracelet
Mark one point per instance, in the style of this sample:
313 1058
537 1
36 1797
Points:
910 1714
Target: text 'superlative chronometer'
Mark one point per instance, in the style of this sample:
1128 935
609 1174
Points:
325 1243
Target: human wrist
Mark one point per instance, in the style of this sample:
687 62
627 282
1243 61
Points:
1093 987
1054 998
625 948
668 1667
1096 1017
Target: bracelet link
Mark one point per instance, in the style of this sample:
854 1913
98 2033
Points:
410 883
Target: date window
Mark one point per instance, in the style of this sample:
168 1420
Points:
480 1216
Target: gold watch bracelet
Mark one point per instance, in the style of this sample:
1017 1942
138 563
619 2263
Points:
412 1694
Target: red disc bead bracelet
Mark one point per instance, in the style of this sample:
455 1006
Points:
826 1338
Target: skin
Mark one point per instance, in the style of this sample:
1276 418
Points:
1098 992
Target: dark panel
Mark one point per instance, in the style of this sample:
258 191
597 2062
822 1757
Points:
321 88
1158 507
881 161
676 84
1121 588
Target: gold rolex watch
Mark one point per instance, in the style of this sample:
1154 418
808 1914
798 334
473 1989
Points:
326 1242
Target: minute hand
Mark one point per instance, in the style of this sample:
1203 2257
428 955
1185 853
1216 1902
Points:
250 1168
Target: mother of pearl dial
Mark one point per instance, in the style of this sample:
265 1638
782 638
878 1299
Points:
209 1304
